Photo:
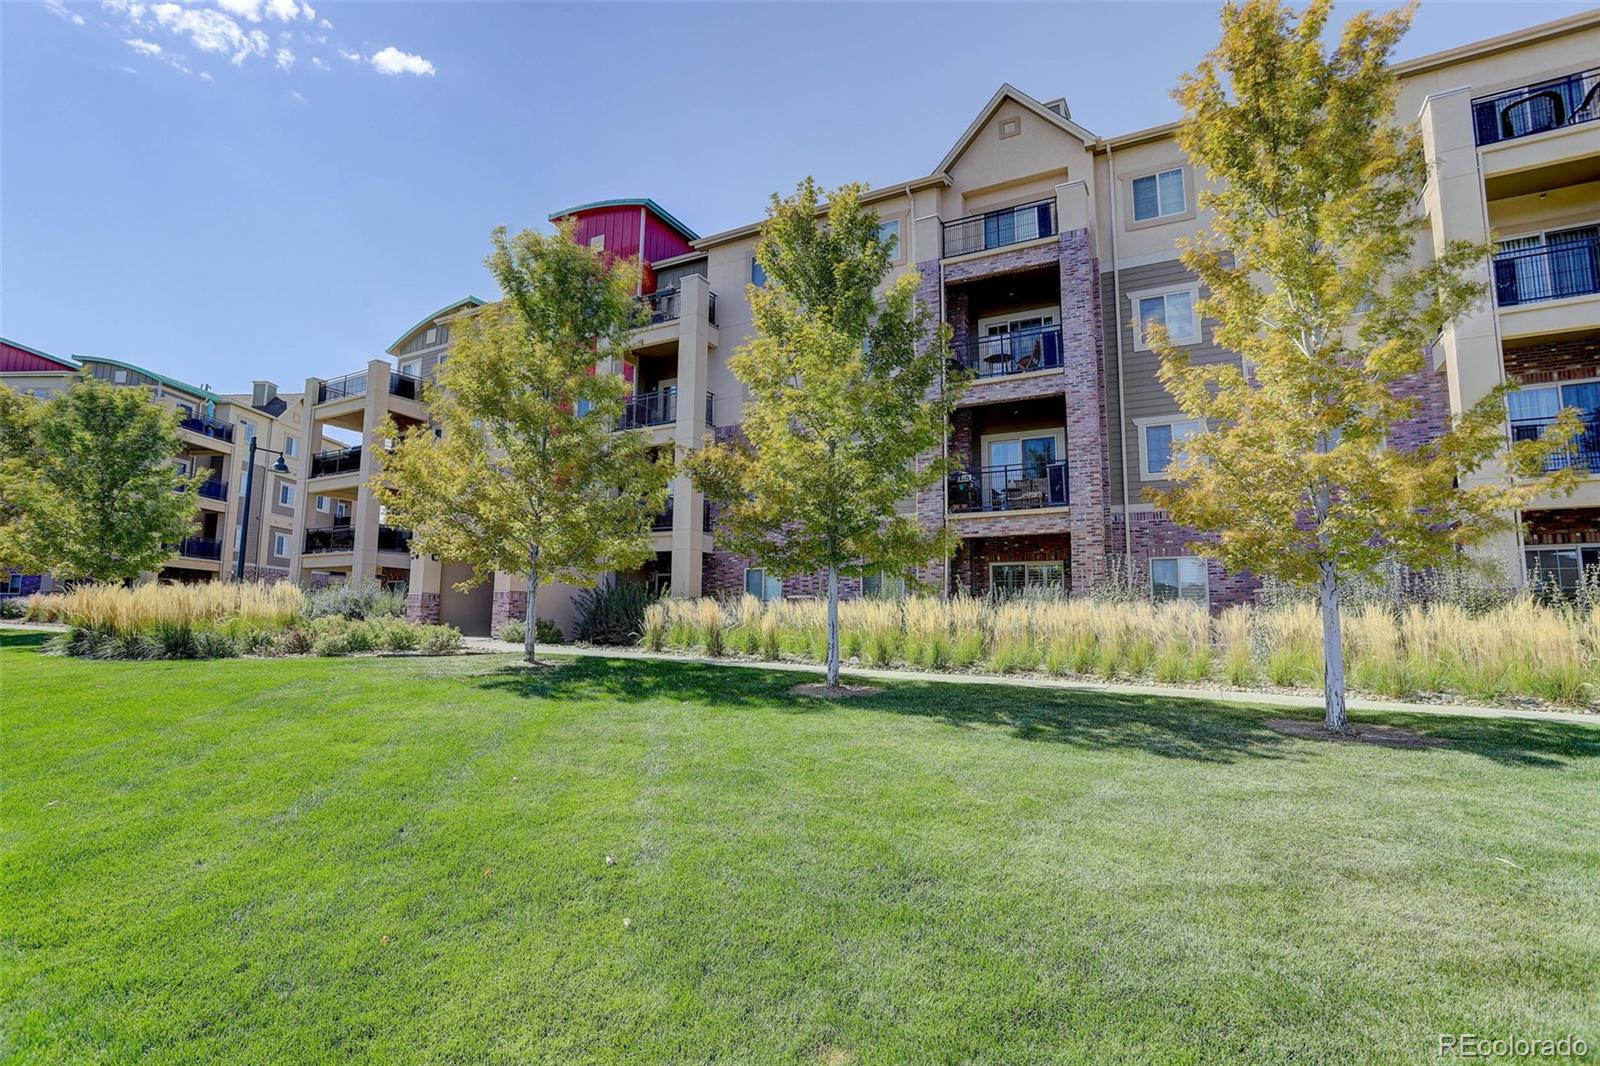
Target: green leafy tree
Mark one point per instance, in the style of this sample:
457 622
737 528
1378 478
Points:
842 405
1311 279
527 473
90 483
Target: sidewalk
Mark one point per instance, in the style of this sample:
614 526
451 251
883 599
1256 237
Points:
1215 695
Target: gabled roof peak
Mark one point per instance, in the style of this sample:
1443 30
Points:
1058 118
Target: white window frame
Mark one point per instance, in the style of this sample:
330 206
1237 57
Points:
411 367
897 585
1059 435
280 545
13 583
765 583
291 446
1165 291
1161 213
1190 562
899 253
597 243
119 377
1028 564
285 494
322 503
1198 425
755 265
432 336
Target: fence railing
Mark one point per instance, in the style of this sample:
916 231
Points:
661 522
1583 452
330 539
343 387
214 489
657 408
996 229
405 386
1551 272
394 539
208 427
1009 488
200 548
338 461
1530 109
661 306
1012 353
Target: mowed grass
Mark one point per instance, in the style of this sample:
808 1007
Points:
403 860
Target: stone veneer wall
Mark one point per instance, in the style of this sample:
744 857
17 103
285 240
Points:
423 608
270 575
508 606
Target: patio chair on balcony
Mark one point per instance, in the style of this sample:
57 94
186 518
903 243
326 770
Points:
1026 492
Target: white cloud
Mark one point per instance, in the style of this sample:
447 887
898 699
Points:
60 10
144 48
212 31
129 70
316 61
325 24
393 61
205 76
354 57
256 10
284 60
296 97
130 8
249 10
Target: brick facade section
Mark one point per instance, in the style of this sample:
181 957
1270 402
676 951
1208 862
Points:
1157 536
1432 416
1567 360
269 575
509 606
1088 454
423 608
969 567
1576 525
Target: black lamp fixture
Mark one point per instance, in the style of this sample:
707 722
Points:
279 467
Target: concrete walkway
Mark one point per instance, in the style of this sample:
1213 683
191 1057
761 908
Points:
1235 696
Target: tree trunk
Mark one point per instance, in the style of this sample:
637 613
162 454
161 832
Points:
1332 652
833 626
530 615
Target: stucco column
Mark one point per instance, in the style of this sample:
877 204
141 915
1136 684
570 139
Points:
308 437
1458 211
365 519
1088 454
689 540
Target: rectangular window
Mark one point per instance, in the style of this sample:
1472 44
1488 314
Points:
758 276
410 369
1180 579
1013 578
889 233
1162 441
13 583
1159 195
286 494
291 446
432 336
119 377
280 545
883 586
322 503
597 243
1175 310
762 587
1559 571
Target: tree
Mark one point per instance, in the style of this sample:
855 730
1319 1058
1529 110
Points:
1311 280
90 483
527 472
843 403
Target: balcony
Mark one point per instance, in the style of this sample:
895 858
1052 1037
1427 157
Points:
214 489
338 461
1552 272
997 229
1019 352
394 539
200 548
1009 488
662 523
207 427
330 539
1536 108
405 386
342 388
1583 452
665 305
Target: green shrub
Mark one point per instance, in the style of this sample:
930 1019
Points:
362 598
545 632
438 640
611 613
13 607
296 640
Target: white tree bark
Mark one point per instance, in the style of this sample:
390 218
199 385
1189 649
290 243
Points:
531 615
1334 717
833 626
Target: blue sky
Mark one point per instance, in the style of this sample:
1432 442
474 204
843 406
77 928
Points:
278 188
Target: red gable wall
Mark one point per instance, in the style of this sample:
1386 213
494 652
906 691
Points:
620 226
14 360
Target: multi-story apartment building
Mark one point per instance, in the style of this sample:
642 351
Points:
215 430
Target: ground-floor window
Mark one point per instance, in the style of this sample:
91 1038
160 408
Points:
883 585
1184 578
1561 570
762 587
13 585
1019 577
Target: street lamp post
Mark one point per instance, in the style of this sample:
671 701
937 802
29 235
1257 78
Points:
279 467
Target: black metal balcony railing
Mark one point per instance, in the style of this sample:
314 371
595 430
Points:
1554 271
200 548
214 489
657 408
705 514
405 386
711 410
1530 109
1009 488
1583 452
1012 353
330 539
996 229
662 522
343 387
338 461
661 306
394 539
207 427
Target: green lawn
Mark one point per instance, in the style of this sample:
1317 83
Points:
404 860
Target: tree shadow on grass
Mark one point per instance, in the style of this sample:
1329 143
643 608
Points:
1168 726
22 638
